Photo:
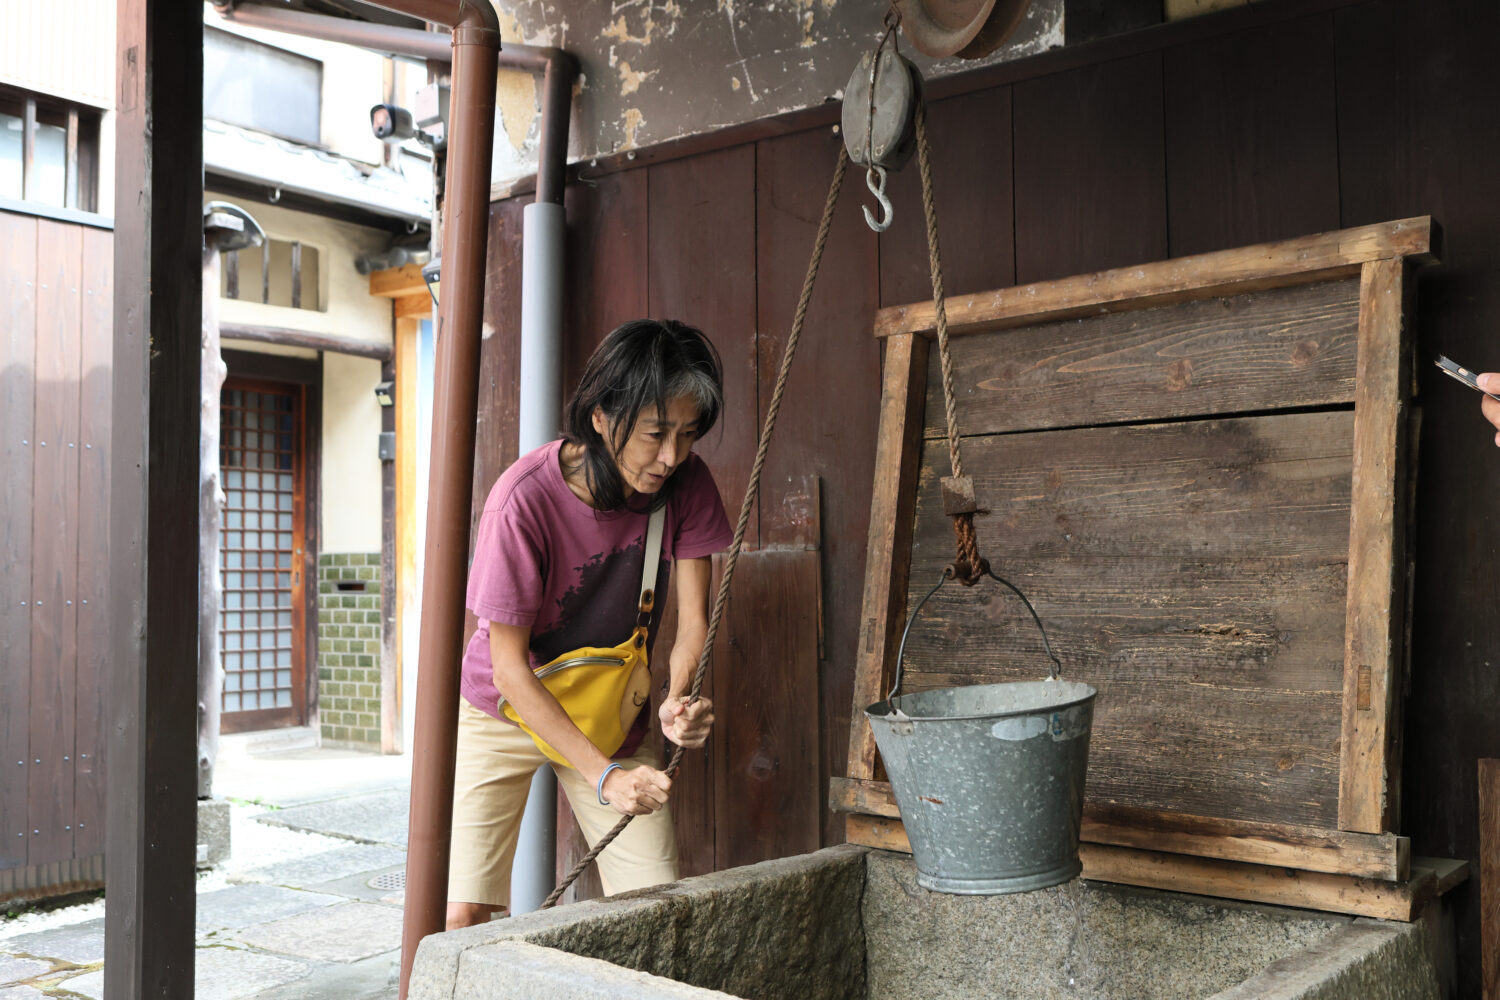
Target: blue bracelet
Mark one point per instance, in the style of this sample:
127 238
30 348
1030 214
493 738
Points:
599 788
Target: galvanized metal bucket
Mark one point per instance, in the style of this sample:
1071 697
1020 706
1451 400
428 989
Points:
989 778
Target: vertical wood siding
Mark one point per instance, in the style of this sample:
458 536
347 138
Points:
55 362
62 47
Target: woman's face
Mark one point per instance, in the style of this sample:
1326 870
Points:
657 445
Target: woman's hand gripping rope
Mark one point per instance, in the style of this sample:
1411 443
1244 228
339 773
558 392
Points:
687 723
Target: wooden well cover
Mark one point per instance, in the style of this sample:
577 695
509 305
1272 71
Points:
1196 470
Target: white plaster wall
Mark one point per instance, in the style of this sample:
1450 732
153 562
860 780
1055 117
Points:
351 463
353 81
344 293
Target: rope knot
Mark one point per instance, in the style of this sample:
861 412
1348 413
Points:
968 566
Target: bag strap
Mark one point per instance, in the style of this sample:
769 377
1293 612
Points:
653 559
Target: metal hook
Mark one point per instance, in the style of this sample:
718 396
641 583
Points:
875 181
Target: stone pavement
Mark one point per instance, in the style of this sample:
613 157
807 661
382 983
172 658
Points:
308 905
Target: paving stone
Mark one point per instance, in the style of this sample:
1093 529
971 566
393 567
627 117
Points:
221 974
90 984
21 993
374 978
80 944
308 872
243 905
16 970
378 818
343 933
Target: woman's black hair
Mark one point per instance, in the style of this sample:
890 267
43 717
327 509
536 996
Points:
643 363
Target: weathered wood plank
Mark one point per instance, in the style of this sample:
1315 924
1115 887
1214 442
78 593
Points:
1377 566
701 216
54 567
892 507
1261 488
1071 215
1277 349
1212 877
1489 874
826 427
17 455
1382 856
766 792
974 200
1321 257
94 646
1252 136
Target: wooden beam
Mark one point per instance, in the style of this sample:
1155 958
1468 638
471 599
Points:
394 282
152 789
1377 521
1225 272
1383 856
1226 879
408 345
1489 875
892 506
417 305
306 339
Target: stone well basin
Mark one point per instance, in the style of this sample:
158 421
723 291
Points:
849 923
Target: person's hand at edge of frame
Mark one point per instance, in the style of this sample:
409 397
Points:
686 724
637 791
1490 382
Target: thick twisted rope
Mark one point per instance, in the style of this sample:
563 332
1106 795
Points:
968 567
752 490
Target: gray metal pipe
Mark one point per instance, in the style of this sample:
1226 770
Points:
534 870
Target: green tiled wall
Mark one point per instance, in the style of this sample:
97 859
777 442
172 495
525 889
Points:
349 648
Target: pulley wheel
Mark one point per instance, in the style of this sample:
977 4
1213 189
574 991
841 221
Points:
880 129
969 29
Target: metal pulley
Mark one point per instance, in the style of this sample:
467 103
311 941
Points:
879 119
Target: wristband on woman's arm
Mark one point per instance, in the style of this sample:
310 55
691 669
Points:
599 788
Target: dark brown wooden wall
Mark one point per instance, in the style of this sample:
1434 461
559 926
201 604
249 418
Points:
55 365
1259 124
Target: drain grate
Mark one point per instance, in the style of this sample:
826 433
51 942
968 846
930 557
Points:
389 881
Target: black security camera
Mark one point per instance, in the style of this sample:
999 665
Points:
391 123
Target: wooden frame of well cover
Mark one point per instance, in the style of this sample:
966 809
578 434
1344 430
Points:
1221 435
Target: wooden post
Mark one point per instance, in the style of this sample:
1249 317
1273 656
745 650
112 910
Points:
152 791
1368 776
1489 875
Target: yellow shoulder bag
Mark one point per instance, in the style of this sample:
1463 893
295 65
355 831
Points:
602 688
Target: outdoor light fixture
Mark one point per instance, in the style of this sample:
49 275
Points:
391 123
385 393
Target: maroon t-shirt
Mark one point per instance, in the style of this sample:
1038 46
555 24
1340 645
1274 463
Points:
547 561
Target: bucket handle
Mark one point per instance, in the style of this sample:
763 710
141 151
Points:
948 574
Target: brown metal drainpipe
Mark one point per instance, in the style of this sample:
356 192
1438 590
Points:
471 136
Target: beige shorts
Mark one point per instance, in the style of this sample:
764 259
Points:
491 779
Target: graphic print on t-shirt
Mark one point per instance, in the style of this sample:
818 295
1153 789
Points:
605 583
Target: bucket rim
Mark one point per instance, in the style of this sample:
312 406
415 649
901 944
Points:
882 709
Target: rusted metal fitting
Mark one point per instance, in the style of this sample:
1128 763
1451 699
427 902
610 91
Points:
958 496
